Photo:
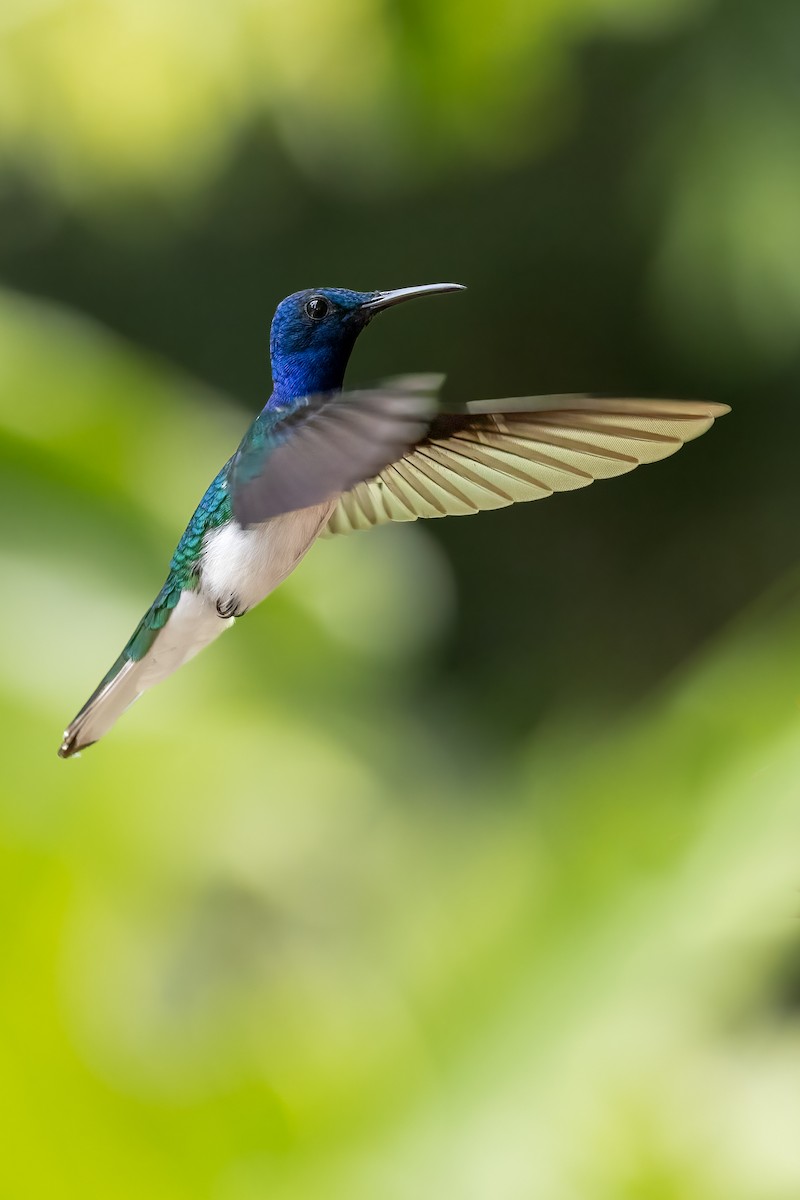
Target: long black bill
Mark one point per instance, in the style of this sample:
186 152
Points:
380 300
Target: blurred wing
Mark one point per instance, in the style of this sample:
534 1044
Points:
325 445
501 452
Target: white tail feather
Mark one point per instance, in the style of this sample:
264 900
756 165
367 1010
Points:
193 623
101 712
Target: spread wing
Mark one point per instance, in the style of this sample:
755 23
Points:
500 452
324 445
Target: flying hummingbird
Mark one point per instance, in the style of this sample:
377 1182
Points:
318 459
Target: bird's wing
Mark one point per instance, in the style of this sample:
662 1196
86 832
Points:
325 444
500 452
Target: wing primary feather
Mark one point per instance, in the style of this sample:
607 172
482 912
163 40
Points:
586 402
497 460
454 452
440 473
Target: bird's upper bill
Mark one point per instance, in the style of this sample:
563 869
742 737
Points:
380 300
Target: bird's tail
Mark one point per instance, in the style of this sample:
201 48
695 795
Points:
104 707
188 627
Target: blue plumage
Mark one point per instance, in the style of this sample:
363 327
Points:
310 355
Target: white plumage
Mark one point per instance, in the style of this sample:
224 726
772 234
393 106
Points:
237 565
248 564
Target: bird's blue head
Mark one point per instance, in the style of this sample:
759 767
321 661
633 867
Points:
313 334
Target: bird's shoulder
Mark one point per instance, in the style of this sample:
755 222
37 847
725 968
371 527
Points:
273 425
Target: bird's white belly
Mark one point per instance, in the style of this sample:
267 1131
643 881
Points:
249 563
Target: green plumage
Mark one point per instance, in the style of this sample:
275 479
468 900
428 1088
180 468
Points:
212 511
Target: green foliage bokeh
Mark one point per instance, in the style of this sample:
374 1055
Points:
468 864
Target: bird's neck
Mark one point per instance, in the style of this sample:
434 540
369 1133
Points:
308 371
307 374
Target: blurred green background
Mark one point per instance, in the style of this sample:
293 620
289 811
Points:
468 865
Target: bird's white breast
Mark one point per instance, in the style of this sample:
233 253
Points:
250 563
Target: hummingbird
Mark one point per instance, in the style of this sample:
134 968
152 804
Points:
319 459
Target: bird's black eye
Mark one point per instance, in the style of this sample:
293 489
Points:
317 308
